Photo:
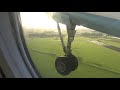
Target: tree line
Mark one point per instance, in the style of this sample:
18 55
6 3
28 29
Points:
52 34
45 34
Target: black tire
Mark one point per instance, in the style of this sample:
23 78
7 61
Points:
63 65
74 62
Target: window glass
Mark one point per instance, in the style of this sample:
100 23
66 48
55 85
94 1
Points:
98 54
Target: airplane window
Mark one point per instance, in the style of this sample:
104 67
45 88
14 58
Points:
94 54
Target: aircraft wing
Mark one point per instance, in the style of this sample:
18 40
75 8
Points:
106 22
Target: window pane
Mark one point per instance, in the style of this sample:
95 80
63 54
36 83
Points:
98 54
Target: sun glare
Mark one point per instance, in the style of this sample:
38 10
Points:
37 20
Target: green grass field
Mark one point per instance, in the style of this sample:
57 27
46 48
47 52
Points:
95 61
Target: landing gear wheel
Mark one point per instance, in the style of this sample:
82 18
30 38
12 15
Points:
63 65
74 62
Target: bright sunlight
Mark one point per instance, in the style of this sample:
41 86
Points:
37 20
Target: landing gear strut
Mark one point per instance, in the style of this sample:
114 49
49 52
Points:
64 65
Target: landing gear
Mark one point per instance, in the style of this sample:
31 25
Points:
74 62
64 65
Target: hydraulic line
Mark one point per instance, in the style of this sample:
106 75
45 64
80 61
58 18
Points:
71 33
